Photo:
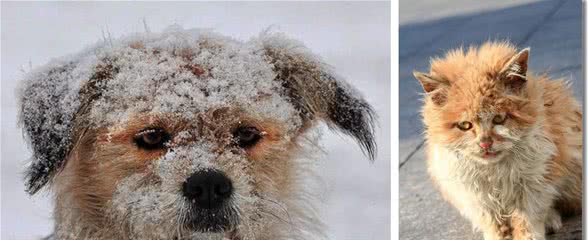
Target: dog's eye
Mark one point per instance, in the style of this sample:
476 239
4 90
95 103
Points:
152 138
464 126
247 136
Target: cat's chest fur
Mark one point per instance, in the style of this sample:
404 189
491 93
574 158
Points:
498 188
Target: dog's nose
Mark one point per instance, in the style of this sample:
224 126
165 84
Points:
208 188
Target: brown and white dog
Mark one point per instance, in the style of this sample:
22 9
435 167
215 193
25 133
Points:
185 134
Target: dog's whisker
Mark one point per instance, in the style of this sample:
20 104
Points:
282 208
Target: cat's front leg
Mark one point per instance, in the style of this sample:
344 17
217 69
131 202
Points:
492 229
527 226
497 232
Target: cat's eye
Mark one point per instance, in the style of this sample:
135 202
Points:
247 136
152 138
499 119
464 126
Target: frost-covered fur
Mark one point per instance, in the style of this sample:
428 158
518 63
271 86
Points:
86 117
504 146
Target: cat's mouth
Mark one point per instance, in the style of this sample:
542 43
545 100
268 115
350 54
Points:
488 157
490 154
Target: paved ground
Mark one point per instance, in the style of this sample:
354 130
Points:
553 31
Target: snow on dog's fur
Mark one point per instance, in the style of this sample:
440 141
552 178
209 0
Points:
126 131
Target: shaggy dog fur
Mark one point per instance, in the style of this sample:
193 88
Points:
504 146
119 130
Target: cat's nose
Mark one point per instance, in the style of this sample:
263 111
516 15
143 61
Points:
486 144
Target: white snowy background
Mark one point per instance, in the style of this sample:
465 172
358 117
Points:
354 37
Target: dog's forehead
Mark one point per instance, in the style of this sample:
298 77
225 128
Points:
186 74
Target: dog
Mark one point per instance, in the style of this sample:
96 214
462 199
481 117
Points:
185 134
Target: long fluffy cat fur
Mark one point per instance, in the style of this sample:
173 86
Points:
536 176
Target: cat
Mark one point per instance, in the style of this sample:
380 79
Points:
504 146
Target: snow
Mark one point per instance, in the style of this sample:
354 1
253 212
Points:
352 37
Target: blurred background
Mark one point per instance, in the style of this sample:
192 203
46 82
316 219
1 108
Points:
353 37
553 30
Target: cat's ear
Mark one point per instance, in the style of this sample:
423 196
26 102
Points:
435 88
514 73
429 83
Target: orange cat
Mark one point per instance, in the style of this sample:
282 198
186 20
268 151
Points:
504 146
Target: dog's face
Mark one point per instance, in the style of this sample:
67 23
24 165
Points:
187 136
223 172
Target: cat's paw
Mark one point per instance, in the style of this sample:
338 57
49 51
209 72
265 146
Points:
502 232
505 232
553 221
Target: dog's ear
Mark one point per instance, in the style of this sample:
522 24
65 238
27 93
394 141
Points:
317 92
48 103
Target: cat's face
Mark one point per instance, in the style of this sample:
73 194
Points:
476 102
483 128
